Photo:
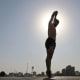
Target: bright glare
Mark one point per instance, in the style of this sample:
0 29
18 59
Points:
60 28
62 22
45 20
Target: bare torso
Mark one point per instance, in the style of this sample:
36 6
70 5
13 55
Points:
51 31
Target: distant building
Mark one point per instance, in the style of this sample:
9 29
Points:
77 73
57 73
20 74
34 73
27 75
64 72
68 71
11 74
42 73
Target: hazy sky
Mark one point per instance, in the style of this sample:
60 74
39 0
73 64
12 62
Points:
22 38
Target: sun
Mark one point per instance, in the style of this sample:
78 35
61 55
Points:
46 17
43 20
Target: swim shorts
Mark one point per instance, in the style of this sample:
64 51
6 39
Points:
50 42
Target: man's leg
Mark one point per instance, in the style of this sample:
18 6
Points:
50 52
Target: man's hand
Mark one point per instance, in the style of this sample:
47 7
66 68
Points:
55 13
53 16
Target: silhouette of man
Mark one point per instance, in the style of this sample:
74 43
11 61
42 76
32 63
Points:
50 43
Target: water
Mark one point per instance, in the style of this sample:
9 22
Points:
39 78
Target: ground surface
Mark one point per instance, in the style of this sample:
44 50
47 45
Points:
39 78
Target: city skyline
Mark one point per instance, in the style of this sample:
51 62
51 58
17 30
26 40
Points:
23 37
67 71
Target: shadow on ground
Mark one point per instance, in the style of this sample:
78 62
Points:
48 79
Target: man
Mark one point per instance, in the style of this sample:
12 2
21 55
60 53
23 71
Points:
51 41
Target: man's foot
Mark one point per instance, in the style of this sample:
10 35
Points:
48 74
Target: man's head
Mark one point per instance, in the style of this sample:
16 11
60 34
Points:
56 22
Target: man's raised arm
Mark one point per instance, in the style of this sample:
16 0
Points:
53 16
